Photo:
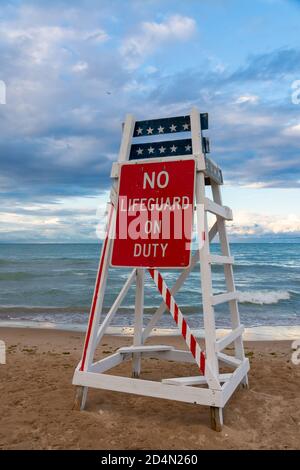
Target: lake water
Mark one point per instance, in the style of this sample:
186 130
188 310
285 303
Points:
54 283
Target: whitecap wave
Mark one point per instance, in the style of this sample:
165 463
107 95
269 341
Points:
263 297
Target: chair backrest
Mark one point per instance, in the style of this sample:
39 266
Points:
156 130
149 141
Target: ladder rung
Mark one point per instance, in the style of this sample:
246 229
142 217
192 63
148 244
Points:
218 259
221 298
197 380
232 336
141 349
216 209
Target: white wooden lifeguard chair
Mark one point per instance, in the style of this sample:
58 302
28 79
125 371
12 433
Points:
210 387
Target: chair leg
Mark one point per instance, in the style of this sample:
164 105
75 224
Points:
80 398
216 418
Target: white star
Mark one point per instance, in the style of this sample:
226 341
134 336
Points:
151 150
160 130
188 148
173 128
173 148
139 151
139 131
185 127
162 149
149 130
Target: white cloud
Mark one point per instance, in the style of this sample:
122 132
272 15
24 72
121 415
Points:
80 218
80 67
99 35
292 131
40 43
153 35
151 69
249 223
13 221
252 99
242 118
2 92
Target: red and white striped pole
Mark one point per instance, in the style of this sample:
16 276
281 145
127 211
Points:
99 280
179 319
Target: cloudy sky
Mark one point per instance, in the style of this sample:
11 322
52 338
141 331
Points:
72 70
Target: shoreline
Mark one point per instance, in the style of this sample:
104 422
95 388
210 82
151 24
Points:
256 333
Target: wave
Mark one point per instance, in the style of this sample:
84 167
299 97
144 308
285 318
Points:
263 267
28 309
53 310
17 276
8 261
263 297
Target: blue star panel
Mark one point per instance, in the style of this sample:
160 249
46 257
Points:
167 126
173 148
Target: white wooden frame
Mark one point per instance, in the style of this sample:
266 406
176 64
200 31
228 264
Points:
2 352
186 389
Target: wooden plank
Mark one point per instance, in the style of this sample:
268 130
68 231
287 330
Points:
213 232
237 377
90 342
221 211
212 171
197 380
114 308
142 348
212 366
218 259
175 355
229 360
228 271
80 398
126 138
149 388
216 418
221 298
138 321
107 363
2 353
196 132
186 381
228 339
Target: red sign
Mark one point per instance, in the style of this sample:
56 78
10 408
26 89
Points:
155 215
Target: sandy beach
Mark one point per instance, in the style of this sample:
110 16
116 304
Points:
37 397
